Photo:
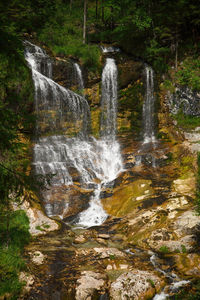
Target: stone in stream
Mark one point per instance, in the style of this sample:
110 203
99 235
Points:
135 284
89 283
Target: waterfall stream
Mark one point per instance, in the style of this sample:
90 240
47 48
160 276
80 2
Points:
148 107
109 99
58 109
107 151
79 77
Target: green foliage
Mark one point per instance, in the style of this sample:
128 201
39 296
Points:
164 250
11 262
63 35
186 122
189 73
131 99
151 282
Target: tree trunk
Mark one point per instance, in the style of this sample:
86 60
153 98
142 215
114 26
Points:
96 9
112 20
70 4
84 21
102 10
176 55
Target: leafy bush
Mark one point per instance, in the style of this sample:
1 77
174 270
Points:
12 241
186 122
189 73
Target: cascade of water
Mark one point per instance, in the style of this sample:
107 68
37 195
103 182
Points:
108 160
92 160
79 77
175 281
57 108
148 107
109 49
109 99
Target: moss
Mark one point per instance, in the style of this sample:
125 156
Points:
164 250
124 200
131 101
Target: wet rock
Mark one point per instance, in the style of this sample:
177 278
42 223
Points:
37 257
185 186
104 236
187 223
89 283
135 285
28 279
188 264
109 252
185 99
80 239
39 223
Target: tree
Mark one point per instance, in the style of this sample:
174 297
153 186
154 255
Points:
84 21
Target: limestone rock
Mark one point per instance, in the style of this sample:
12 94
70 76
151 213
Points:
186 223
88 283
80 239
37 257
29 281
107 252
185 186
39 223
135 284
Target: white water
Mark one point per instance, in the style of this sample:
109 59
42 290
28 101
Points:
148 108
57 108
108 158
79 77
173 287
93 162
109 49
109 99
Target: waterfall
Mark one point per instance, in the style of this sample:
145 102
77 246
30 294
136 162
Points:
95 162
79 77
109 99
57 108
148 108
108 157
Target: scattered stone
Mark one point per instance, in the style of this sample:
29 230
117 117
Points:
80 239
104 236
135 285
37 257
109 252
185 186
88 283
101 241
186 223
28 279
39 223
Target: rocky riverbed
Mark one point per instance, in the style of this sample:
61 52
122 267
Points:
151 211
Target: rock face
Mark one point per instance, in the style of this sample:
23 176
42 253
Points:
39 223
89 283
186 100
135 285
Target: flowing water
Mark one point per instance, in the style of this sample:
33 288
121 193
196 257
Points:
148 108
109 99
79 77
173 279
107 151
96 161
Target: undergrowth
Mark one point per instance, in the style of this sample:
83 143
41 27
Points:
12 241
187 122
